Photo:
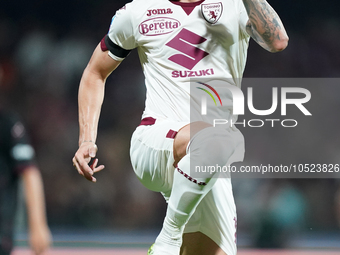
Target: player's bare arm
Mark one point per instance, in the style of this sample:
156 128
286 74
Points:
40 235
265 26
90 99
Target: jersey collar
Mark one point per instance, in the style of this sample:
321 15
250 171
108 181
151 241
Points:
187 7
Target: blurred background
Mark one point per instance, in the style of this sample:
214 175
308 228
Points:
45 46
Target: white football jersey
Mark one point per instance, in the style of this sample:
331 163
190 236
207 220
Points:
180 44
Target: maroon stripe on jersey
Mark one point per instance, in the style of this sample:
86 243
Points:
103 45
147 121
171 134
187 7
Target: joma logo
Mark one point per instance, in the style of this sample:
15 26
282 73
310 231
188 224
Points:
159 11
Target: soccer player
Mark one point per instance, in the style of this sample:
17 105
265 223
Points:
180 43
17 162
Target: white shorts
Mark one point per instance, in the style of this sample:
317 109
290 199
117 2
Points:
152 159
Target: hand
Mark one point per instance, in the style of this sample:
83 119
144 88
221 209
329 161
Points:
40 239
82 158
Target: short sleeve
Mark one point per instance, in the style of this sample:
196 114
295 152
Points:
243 17
21 151
121 40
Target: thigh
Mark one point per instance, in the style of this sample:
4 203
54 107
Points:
198 243
151 154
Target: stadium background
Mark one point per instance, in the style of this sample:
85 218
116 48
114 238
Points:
44 47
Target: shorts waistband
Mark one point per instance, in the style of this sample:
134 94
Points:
148 121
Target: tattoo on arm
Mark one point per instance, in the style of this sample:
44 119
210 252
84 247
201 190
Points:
255 35
264 25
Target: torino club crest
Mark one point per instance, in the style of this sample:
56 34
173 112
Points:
212 12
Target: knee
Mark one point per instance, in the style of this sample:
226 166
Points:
211 146
183 137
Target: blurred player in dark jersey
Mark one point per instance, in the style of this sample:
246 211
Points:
17 162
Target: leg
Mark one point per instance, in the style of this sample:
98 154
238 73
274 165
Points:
199 243
215 217
210 146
